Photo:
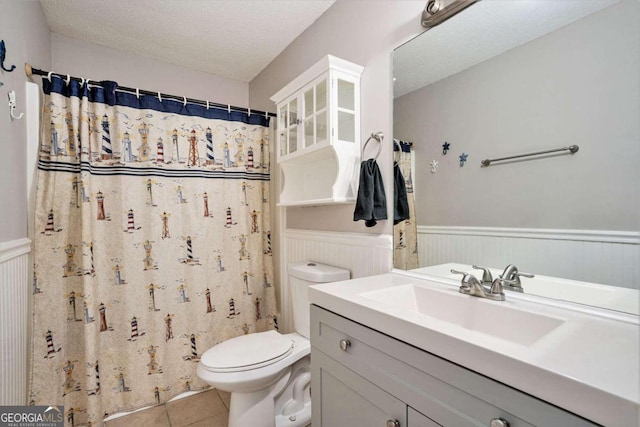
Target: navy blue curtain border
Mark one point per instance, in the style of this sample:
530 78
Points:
84 166
106 93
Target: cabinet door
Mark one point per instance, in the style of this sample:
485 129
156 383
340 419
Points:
346 97
314 113
283 132
340 397
292 126
288 126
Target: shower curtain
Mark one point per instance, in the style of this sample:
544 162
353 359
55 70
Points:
153 244
405 251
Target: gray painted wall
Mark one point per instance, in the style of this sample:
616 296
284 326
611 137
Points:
27 39
97 62
363 32
520 102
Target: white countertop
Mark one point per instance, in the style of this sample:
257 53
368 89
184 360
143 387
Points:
588 366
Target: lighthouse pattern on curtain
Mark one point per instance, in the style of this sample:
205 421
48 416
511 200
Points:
153 245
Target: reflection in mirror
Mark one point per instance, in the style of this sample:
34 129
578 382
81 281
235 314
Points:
503 79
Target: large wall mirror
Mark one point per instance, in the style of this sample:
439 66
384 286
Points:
508 78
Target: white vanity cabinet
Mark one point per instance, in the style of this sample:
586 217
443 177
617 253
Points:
318 134
363 378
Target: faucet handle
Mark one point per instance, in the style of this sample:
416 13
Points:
486 273
468 279
529 275
464 276
496 286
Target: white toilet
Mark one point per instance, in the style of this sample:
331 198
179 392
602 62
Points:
268 373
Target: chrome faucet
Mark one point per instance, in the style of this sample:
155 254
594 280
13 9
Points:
512 276
470 285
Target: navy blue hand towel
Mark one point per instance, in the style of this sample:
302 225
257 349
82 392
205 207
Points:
400 200
371 204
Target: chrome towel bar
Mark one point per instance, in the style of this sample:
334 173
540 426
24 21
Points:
572 148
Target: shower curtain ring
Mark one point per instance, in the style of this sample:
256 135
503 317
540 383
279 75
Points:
159 97
138 93
49 74
185 101
207 105
68 80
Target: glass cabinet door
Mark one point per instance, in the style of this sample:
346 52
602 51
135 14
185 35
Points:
292 125
346 111
304 119
314 114
282 127
321 111
309 117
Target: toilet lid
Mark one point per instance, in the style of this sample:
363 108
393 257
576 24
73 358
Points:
247 352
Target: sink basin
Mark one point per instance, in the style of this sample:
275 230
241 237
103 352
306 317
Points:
471 313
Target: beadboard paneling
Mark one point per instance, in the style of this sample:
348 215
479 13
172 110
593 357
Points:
14 306
362 254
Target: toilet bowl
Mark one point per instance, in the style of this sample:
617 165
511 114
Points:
267 373
256 369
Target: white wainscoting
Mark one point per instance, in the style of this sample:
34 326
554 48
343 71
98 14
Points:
607 257
362 254
14 321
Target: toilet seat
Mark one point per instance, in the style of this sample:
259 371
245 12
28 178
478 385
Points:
247 352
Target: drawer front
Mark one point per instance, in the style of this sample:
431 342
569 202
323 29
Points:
448 394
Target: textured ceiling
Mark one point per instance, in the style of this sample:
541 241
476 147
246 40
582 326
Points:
484 30
230 38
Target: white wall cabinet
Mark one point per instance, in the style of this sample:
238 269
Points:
363 378
318 134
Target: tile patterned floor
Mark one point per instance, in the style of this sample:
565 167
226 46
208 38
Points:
206 409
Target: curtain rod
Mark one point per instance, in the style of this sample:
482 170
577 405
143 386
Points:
30 71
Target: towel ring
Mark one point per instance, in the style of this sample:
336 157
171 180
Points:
378 136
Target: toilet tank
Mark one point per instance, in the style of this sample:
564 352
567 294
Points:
301 275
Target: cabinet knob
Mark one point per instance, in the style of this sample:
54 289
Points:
393 423
499 422
344 346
